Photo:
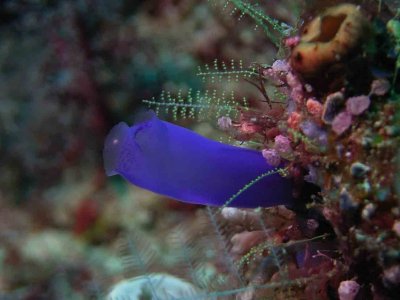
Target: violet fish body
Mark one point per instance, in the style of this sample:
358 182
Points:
179 163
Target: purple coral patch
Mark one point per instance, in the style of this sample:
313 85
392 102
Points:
341 122
272 157
357 105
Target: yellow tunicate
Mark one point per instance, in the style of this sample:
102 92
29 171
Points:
328 38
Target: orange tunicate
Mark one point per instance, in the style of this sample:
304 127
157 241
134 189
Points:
328 38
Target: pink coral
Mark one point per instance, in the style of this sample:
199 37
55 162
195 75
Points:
249 128
282 144
292 41
314 107
296 86
272 157
380 87
348 290
341 122
277 72
357 105
297 95
224 123
392 275
396 227
294 120
281 66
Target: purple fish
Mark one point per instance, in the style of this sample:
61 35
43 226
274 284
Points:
176 162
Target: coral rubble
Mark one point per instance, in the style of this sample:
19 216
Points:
342 136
